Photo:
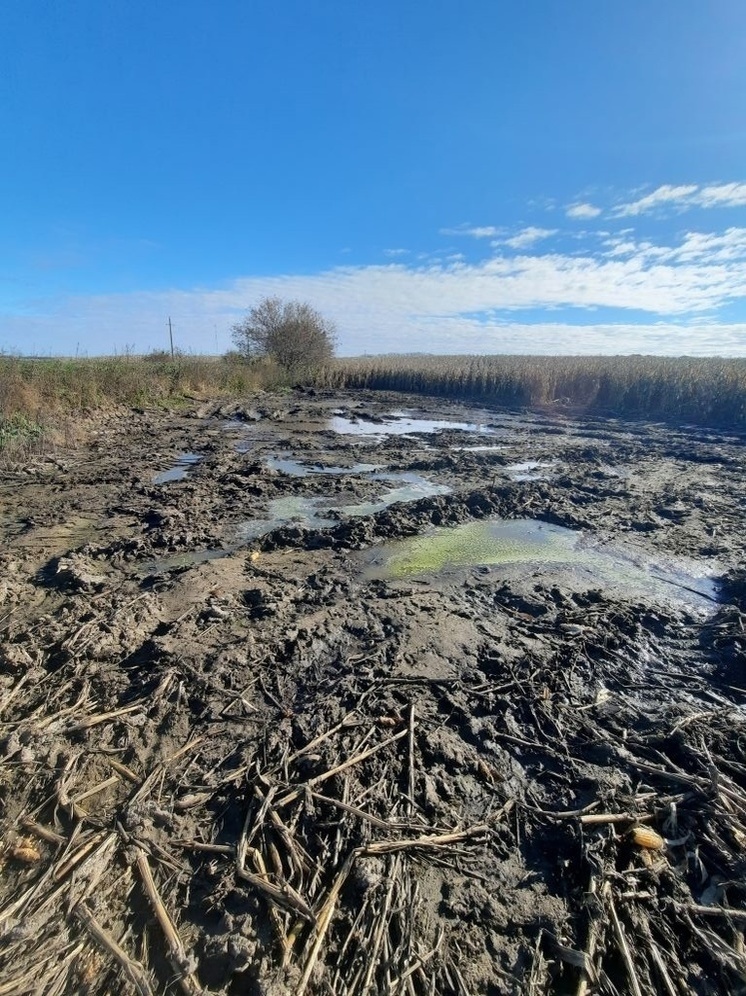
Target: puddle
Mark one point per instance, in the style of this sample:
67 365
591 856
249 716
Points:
245 445
401 424
413 488
306 512
317 512
507 546
477 449
177 560
612 471
54 539
296 468
179 471
526 471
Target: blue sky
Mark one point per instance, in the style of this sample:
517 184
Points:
551 176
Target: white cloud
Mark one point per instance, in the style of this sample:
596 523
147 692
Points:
565 339
374 325
525 238
722 195
583 211
393 253
665 194
685 197
709 248
705 248
431 307
475 231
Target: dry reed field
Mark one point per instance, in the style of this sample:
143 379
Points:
703 391
35 392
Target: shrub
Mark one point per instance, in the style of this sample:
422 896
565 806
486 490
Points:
291 333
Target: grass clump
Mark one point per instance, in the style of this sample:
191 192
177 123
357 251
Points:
37 394
20 434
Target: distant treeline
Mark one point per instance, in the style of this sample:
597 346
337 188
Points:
707 391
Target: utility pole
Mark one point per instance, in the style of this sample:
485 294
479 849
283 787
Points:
171 336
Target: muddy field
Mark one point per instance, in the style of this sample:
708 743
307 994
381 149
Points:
259 733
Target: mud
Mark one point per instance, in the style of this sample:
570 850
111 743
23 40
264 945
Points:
234 761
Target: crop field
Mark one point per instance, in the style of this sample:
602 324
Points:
706 391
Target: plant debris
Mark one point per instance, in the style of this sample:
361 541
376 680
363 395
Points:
263 773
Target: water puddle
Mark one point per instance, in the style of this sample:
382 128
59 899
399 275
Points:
291 510
568 556
401 424
177 561
477 449
296 468
309 513
526 471
45 541
179 471
612 471
323 512
413 488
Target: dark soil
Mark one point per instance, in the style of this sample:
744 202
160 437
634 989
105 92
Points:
242 767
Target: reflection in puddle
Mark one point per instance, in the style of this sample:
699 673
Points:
525 471
400 424
509 545
413 488
316 513
179 471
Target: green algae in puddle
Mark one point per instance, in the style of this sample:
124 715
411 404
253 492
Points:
481 543
562 553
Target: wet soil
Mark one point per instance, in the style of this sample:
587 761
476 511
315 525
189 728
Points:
233 761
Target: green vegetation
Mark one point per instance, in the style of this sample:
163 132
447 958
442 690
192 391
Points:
38 395
511 542
19 433
707 391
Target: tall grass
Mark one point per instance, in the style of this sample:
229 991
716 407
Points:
38 394
708 391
